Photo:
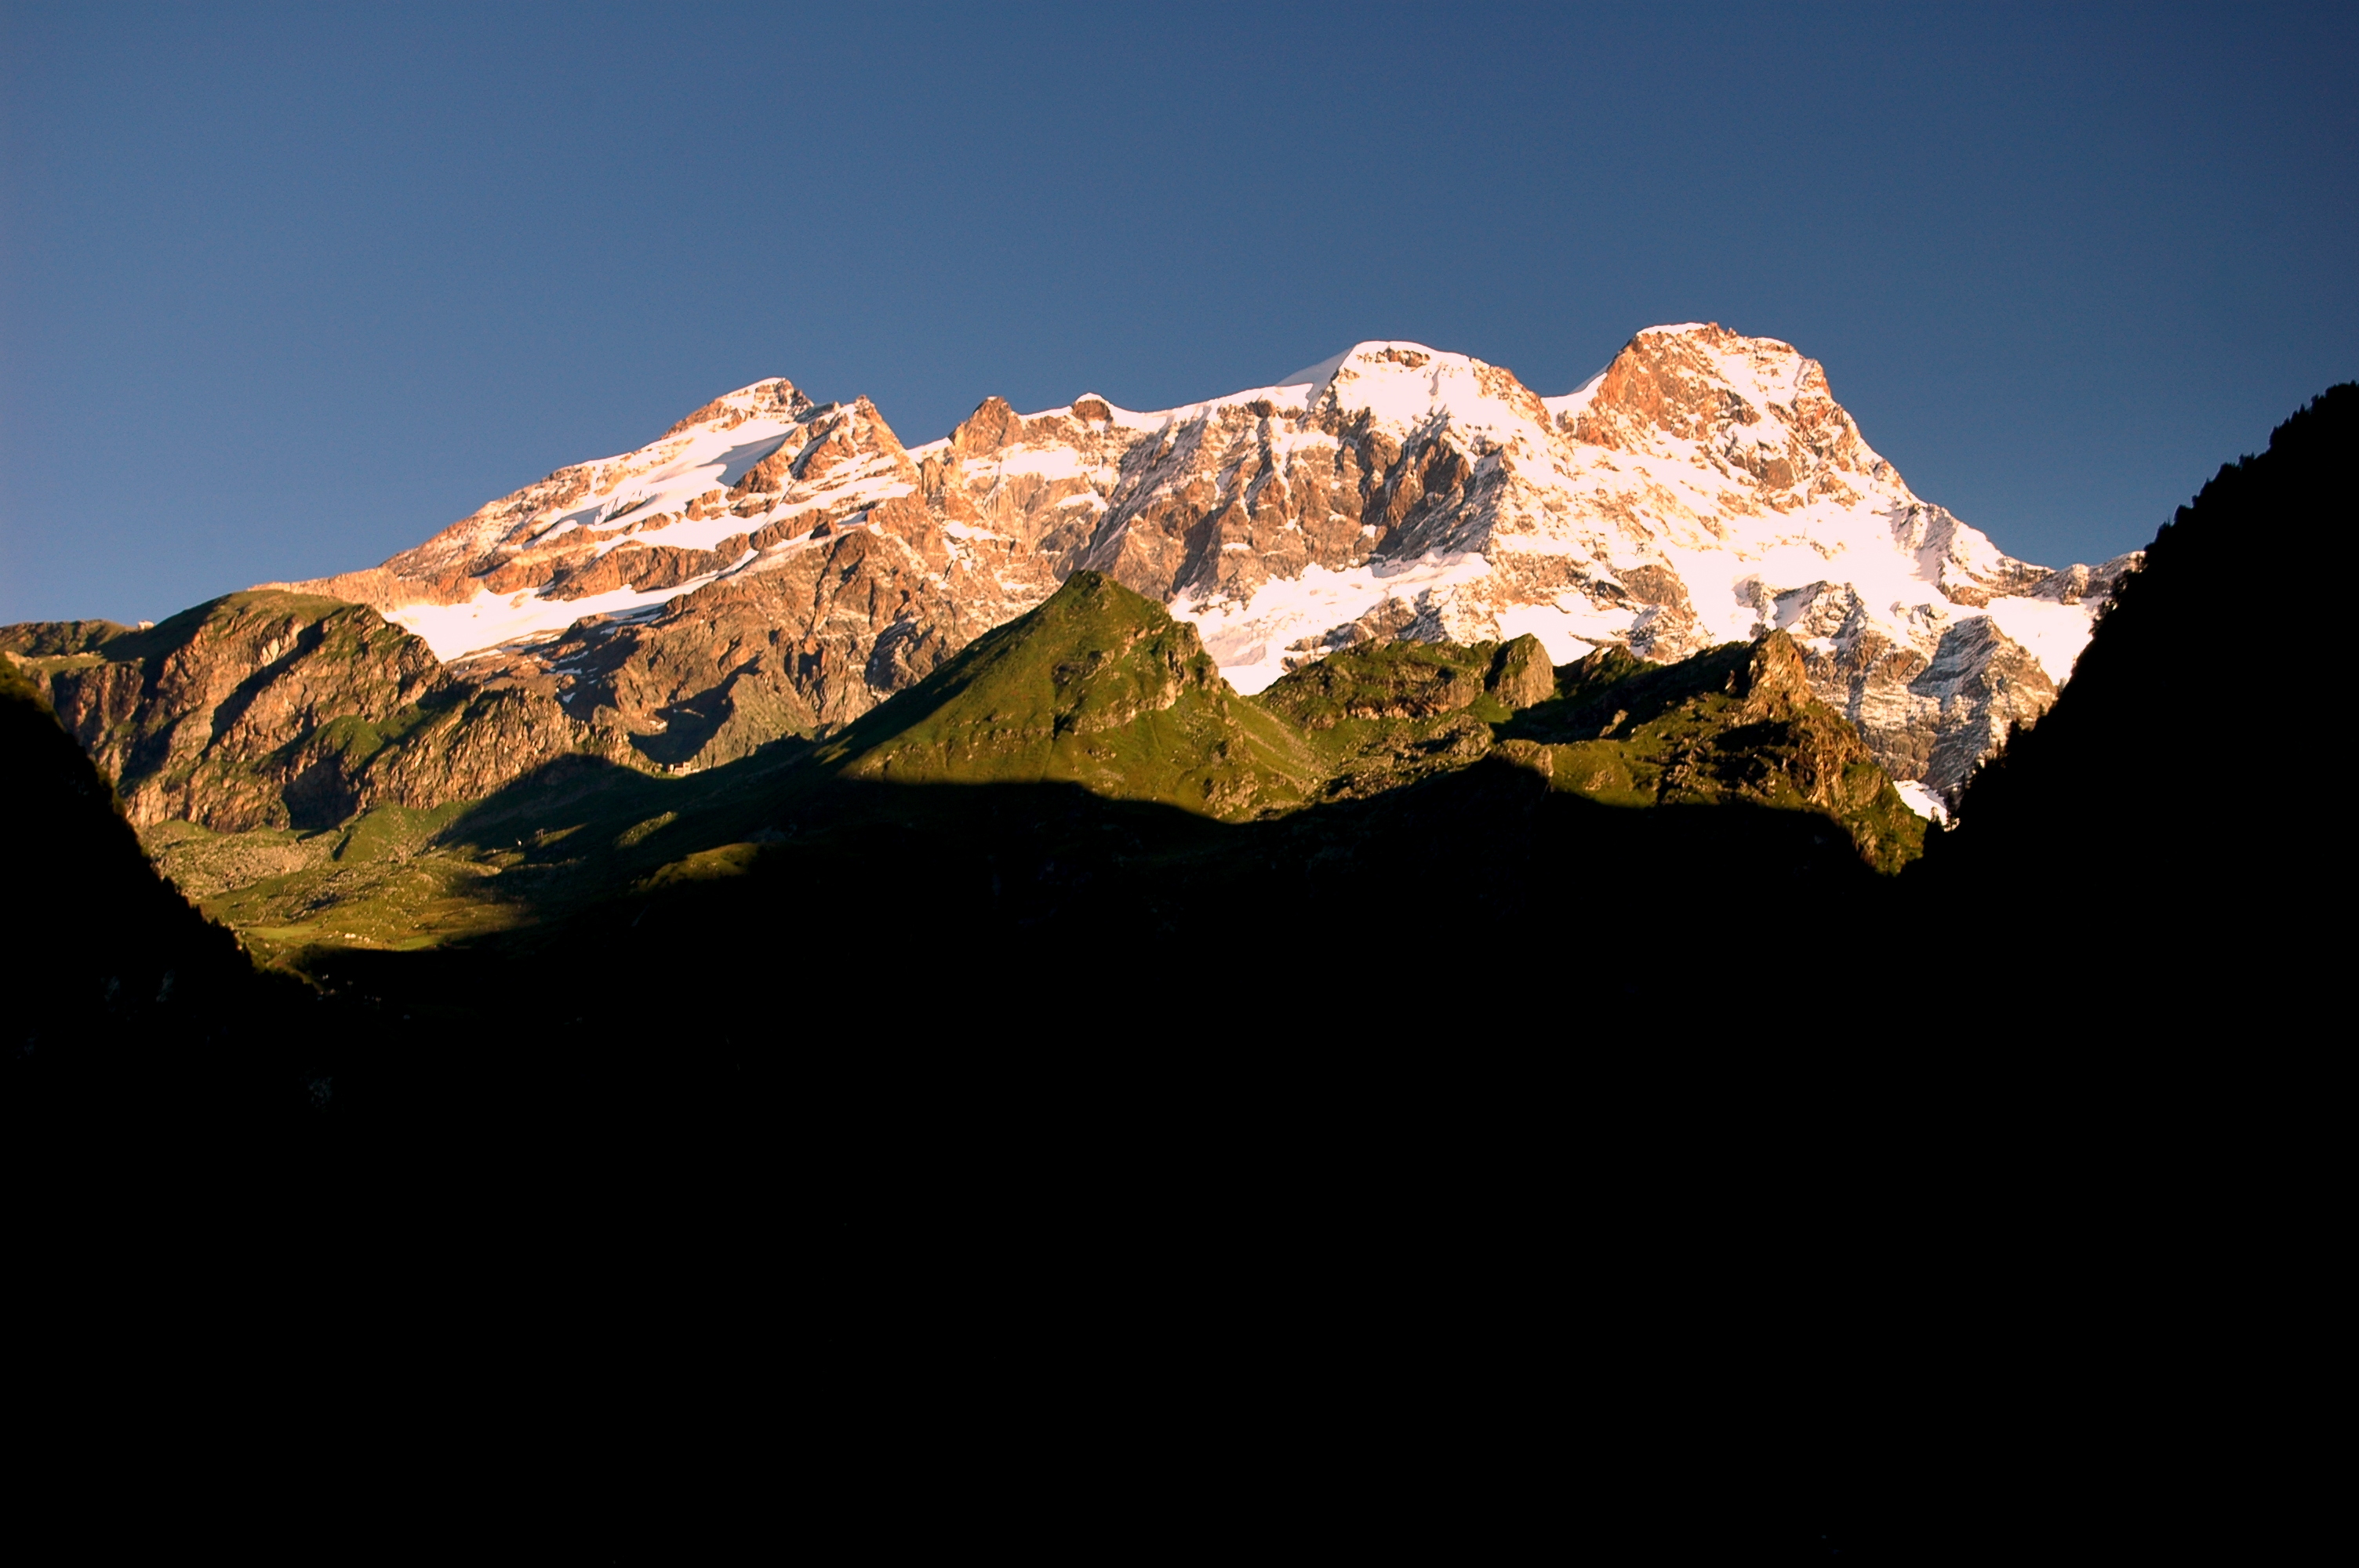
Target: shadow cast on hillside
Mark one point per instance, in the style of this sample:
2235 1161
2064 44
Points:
789 959
766 896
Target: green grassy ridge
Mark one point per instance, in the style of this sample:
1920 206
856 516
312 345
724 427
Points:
1732 723
129 645
1101 689
1389 680
1098 687
59 639
1381 715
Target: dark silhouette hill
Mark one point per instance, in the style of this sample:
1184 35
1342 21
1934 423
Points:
126 1011
2176 799
1038 880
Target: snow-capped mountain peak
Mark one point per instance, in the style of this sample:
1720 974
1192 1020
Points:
1704 487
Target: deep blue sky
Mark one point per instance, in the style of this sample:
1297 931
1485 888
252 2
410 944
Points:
285 289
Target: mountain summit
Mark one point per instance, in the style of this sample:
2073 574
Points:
1704 487
773 565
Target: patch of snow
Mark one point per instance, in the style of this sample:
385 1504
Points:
1579 398
1118 418
1922 801
1248 638
1043 462
2055 633
1381 378
1553 626
455 631
1314 376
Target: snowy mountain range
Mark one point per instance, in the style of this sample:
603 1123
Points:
770 563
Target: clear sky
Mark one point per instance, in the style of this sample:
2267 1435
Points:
283 290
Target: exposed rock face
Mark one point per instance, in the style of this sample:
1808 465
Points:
772 565
1522 676
1706 487
272 709
768 567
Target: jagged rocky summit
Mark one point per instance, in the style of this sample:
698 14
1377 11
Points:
773 565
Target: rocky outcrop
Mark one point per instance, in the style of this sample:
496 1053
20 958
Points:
1414 680
1733 725
1521 674
268 709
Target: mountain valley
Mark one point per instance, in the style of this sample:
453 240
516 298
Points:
1076 807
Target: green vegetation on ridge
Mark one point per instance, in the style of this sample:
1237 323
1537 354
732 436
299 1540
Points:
1099 686
1733 724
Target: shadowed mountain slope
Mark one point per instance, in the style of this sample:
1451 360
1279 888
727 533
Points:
124 1006
2138 781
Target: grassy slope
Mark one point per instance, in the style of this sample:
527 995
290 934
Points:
1098 689
1702 732
1615 730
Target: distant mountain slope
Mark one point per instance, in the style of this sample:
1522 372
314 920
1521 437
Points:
772 566
764 566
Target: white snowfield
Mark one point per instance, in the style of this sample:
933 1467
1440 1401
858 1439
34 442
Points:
1746 551
652 485
488 620
1704 488
1922 801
